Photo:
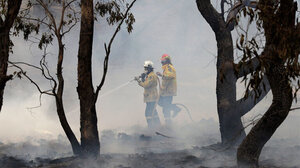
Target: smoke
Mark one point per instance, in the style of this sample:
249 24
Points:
154 34
177 29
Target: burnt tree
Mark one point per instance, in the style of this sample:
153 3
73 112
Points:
88 117
53 24
57 25
87 95
58 88
10 15
280 60
230 110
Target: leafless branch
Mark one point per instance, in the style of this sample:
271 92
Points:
50 15
68 4
45 70
296 108
24 63
62 15
107 51
38 106
31 80
222 8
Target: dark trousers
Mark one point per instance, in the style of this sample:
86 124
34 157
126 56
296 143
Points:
152 115
166 103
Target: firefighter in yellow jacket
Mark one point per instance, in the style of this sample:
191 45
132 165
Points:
149 81
168 89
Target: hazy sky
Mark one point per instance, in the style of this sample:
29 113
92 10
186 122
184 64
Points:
162 26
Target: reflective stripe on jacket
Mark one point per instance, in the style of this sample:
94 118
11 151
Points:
150 87
169 84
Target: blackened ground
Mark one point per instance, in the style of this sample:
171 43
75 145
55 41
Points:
198 158
184 147
213 156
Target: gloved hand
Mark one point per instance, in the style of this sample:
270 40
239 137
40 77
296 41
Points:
137 79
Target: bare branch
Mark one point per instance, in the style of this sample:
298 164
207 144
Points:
107 51
47 74
36 85
222 7
27 64
62 16
68 4
51 17
39 21
297 108
38 106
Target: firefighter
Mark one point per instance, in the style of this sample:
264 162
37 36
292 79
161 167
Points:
149 81
168 89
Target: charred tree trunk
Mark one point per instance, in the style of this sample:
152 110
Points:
230 110
5 26
4 54
88 118
281 45
59 101
250 149
231 126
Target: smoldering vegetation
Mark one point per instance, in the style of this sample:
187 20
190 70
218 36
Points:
186 145
191 43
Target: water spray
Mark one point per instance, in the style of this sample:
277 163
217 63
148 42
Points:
117 88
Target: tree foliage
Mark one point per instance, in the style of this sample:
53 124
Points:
265 17
52 20
114 12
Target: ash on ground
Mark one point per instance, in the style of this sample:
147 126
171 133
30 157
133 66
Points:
180 147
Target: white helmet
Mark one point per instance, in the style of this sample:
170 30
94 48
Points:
148 64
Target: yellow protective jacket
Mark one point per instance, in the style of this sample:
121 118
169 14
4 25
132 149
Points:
169 84
150 86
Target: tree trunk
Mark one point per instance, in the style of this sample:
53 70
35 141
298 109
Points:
230 110
250 149
279 29
231 126
88 118
5 26
59 102
4 54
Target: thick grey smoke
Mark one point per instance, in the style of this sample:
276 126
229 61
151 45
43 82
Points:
177 29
